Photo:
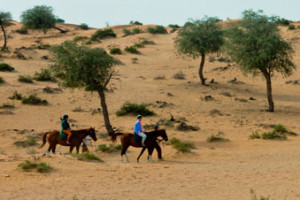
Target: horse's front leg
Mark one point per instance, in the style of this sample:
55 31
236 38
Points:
71 148
158 149
77 149
138 158
150 151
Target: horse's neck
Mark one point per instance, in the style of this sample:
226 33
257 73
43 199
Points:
82 133
153 133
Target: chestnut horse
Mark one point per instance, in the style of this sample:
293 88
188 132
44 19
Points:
76 139
127 139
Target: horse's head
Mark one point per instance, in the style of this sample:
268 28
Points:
163 134
92 133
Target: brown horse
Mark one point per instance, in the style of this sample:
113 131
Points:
127 139
76 139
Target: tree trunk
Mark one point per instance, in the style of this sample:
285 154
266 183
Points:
5 38
269 92
105 112
45 30
61 31
201 69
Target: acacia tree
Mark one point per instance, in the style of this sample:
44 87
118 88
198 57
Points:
199 38
256 45
5 17
81 66
40 17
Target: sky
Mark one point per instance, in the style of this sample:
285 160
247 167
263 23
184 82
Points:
100 13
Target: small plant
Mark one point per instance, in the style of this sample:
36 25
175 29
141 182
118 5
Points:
26 143
79 38
160 77
217 138
84 26
174 27
274 135
86 156
101 34
30 151
27 165
7 105
291 27
6 67
134 109
1 80
132 50
34 100
44 75
43 46
135 23
180 76
110 149
182 146
280 128
126 32
136 30
157 30
255 135
138 45
43 167
145 41
184 127
254 197
16 96
22 31
25 79
115 51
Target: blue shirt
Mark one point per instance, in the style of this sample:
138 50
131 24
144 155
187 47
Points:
138 127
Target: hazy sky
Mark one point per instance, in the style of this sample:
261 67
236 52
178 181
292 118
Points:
97 13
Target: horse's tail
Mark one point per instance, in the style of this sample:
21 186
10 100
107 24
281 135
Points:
114 136
44 139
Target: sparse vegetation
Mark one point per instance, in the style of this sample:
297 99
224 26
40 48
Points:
27 165
254 197
132 49
160 77
174 27
22 31
7 105
101 34
25 79
79 38
16 96
281 21
41 167
84 26
184 127
115 51
109 149
138 45
157 30
274 135
126 32
255 135
6 67
34 100
135 23
180 76
134 109
279 132
86 156
182 146
217 138
44 75
43 46
136 30
146 41
26 143
291 27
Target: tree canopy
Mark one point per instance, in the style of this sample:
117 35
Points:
5 18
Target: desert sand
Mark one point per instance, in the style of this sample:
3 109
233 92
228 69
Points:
214 171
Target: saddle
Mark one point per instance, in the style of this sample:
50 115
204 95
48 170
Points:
137 138
64 136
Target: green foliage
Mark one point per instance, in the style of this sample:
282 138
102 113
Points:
132 49
7 105
86 156
280 128
292 27
39 17
182 146
115 51
135 23
134 109
25 79
136 30
254 197
274 135
43 46
280 21
79 38
34 100
184 127
4 67
81 66
217 138
16 96
43 167
174 27
26 143
1 80
44 75
180 76
255 135
126 32
157 30
5 18
101 34
84 26
27 165
138 45
22 31
59 20
110 149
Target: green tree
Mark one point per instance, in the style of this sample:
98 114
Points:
256 45
199 38
84 67
40 17
5 17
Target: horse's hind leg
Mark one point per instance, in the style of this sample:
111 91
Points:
71 148
123 152
158 149
53 148
77 149
150 151
138 158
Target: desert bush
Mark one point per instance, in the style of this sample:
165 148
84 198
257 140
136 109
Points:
110 149
160 77
255 135
79 38
22 31
180 75
25 79
115 51
217 138
146 41
43 167
86 156
134 109
282 21
136 30
44 75
182 146
26 143
16 96
126 32
7 105
138 45
59 20
184 127
6 67
274 135
165 122
84 26
34 100
157 30
132 49
174 27
135 23
27 165
43 46
254 196
101 34
291 27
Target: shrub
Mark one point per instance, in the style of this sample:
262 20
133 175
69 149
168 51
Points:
25 79
182 146
110 149
282 21
1 80
217 138
59 20
274 135
291 27
135 23
255 135
136 30
254 196
6 67
115 51
79 38
132 49
145 41
165 122
126 32
22 31
179 76
26 143
86 156
184 127
43 46
43 167
44 75
16 96
34 100
84 26
134 109
27 165
101 34
160 77
7 105
174 27
157 30
138 45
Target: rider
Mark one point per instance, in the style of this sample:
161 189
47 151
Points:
65 128
139 130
